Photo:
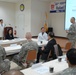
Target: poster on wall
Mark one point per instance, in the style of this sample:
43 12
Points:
57 7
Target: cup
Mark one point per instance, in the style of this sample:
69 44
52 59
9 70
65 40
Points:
41 41
51 69
59 59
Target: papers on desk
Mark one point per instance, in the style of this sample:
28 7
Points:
40 69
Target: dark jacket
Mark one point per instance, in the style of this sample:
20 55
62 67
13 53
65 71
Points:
9 37
49 47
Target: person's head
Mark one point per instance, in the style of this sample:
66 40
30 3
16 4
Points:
9 31
1 21
13 72
72 20
28 36
42 29
71 57
50 35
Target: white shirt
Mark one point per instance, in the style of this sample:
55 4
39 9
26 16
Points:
1 30
42 37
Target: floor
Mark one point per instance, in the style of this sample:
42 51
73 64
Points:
61 41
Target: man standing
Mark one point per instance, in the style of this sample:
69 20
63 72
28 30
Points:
42 35
72 32
1 28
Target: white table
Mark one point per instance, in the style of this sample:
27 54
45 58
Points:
15 49
5 43
13 41
58 67
12 49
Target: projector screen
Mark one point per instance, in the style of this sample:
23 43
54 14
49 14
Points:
70 12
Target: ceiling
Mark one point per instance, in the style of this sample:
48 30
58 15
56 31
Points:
15 1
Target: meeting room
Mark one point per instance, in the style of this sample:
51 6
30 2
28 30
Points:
38 37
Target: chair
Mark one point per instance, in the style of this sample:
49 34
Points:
67 47
31 56
58 51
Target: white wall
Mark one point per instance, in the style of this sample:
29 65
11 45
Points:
7 13
32 18
38 9
56 21
23 18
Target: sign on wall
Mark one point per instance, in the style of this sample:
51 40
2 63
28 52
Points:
56 7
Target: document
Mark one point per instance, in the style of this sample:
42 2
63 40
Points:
41 70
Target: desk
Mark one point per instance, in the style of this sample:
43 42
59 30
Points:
15 49
19 41
12 49
58 67
5 43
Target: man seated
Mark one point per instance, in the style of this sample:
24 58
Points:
45 50
13 72
42 35
29 45
71 60
4 63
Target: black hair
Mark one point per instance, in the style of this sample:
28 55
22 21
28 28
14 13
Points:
1 19
73 18
51 34
42 28
8 31
71 55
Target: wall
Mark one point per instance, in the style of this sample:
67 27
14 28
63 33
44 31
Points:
23 18
7 13
38 9
56 21
32 18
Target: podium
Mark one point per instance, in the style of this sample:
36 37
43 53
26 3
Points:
6 30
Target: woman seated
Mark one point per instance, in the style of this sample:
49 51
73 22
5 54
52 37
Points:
9 35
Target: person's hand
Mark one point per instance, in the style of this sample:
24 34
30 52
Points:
42 48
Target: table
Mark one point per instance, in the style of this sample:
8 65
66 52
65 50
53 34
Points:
16 48
19 41
5 43
58 67
12 49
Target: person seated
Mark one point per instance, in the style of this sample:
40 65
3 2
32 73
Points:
45 50
13 72
4 63
29 45
71 60
9 35
42 35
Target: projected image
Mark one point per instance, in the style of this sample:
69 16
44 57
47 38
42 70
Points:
70 12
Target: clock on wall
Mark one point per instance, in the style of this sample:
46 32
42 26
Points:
22 7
